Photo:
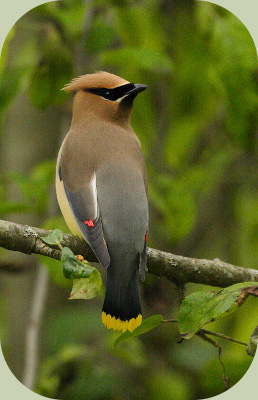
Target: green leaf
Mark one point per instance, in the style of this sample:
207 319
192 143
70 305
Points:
174 202
58 365
87 288
72 267
40 179
7 207
168 384
200 308
40 86
147 60
100 36
9 85
55 237
70 16
146 326
252 345
140 26
86 279
6 49
54 266
49 76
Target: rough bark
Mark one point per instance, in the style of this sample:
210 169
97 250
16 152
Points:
177 269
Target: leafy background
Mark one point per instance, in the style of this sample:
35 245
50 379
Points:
197 123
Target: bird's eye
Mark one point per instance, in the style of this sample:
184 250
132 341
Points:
107 94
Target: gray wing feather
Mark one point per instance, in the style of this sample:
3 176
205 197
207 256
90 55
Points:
84 207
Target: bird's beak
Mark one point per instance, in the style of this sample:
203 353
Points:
138 87
132 93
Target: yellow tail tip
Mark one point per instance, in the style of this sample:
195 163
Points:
118 325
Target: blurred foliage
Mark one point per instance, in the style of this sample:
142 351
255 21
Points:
197 123
32 188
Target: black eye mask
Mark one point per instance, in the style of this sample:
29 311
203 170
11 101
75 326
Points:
112 94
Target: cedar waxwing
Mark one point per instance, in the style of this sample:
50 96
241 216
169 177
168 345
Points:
101 185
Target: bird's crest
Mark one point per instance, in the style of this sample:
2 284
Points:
99 79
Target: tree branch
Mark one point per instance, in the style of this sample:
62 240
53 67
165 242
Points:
221 335
177 269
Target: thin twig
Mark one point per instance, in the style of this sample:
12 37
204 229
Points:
221 335
206 332
225 378
203 336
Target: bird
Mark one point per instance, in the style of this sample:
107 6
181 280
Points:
101 187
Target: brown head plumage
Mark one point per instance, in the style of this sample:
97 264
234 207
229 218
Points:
104 95
99 79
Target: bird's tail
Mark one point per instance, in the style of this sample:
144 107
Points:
122 309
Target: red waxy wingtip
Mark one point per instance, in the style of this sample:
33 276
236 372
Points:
89 223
